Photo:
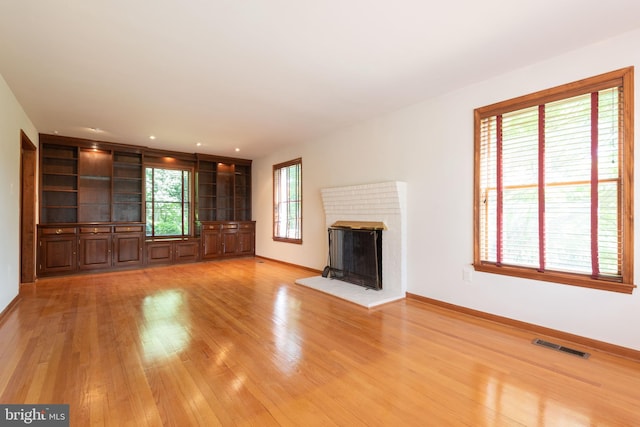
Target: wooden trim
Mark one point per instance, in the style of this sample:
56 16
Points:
571 279
577 339
138 149
627 177
580 87
89 143
223 159
5 313
287 240
28 215
313 270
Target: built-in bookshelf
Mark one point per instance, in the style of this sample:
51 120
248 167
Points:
223 190
127 187
59 184
94 185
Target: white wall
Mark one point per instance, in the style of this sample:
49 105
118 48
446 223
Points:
12 120
430 146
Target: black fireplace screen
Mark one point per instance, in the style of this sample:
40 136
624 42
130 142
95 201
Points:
355 256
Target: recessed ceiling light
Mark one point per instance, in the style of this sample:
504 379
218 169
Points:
198 144
95 130
55 132
152 137
237 149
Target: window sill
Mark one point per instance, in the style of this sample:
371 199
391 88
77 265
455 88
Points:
285 240
584 281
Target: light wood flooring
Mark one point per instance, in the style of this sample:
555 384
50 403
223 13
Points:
236 342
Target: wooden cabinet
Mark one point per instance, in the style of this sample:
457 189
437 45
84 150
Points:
86 247
169 251
227 238
57 250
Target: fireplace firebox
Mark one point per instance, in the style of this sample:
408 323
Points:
355 254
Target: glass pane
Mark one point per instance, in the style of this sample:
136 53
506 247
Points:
568 140
609 240
520 227
568 228
167 219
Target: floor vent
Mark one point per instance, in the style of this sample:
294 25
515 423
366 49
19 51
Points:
561 348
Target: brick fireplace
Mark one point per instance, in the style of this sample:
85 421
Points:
380 202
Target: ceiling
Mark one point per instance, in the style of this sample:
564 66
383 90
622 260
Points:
258 75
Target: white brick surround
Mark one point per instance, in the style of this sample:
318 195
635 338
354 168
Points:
385 202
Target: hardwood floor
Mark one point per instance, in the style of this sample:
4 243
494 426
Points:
235 342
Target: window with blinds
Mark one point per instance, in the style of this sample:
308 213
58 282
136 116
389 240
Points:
287 201
554 184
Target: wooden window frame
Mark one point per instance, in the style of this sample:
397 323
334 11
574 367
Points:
190 221
276 168
622 78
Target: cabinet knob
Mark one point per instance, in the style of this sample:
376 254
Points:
59 231
95 231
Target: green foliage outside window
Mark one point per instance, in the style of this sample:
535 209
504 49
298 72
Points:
167 196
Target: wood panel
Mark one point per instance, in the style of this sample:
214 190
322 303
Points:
57 254
28 160
235 342
128 249
159 252
95 251
186 251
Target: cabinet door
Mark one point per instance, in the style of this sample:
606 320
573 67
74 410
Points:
229 242
159 253
211 242
95 251
185 251
57 254
245 242
127 249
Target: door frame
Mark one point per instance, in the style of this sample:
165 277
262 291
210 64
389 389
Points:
28 174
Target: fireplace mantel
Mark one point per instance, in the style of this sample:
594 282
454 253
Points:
360 225
383 203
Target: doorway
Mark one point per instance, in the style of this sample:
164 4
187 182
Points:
27 209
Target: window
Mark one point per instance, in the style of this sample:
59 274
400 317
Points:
167 197
287 201
554 184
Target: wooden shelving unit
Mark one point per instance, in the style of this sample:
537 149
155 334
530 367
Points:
94 185
92 207
59 184
224 190
128 188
